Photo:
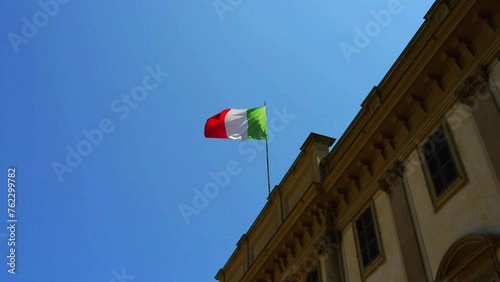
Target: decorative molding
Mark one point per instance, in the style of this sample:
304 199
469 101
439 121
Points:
488 20
464 252
381 147
368 165
390 139
455 56
345 198
334 238
299 236
339 162
468 46
283 258
270 274
472 85
392 176
278 263
309 227
438 79
355 180
317 215
406 121
421 102
320 246
290 246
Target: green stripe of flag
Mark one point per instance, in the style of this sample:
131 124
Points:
257 123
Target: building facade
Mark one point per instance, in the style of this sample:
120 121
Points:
411 191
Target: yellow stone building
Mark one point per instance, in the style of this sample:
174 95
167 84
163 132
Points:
411 191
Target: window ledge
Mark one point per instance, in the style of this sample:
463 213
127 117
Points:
440 201
370 269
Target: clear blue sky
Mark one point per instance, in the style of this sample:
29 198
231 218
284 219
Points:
112 212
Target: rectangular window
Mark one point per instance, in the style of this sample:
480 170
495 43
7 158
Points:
442 169
313 276
442 166
368 242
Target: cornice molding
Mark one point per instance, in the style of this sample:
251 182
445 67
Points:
391 177
433 107
291 235
383 132
472 85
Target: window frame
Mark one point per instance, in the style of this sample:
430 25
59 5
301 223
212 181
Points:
439 201
491 83
314 270
379 260
494 93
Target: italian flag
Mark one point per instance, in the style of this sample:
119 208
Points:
238 124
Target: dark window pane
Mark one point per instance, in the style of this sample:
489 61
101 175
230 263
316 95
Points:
429 148
365 258
370 233
367 238
313 276
440 162
372 240
439 184
359 226
439 136
444 153
433 165
362 241
373 249
450 173
367 217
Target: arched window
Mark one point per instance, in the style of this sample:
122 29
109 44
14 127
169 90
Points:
473 258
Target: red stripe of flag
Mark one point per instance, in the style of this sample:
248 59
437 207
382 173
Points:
215 126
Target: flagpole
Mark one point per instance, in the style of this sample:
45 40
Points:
267 160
